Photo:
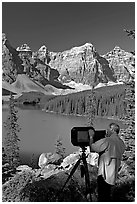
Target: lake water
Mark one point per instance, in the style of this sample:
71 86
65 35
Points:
40 130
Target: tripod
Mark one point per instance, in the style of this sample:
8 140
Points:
84 172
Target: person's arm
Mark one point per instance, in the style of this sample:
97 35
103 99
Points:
98 146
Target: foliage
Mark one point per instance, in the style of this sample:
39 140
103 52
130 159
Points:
128 134
26 187
50 190
34 96
124 190
109 102
11 189
130 33
91 107
59 149
11 140
7 170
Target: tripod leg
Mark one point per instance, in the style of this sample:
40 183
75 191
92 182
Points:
87 180
71 173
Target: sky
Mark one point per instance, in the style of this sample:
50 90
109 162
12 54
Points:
63 25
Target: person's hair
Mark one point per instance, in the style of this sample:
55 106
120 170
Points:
115 127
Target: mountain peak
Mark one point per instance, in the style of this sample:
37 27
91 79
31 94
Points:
117 48
80 49
43 48
83 47
23 47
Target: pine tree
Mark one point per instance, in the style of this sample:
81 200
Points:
11 141
129 120
59 149
91 108
130 33
128 134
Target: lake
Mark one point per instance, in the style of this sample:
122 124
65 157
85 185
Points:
40 130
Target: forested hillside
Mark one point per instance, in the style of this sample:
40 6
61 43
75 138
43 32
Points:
109 100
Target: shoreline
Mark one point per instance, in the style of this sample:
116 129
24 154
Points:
78 115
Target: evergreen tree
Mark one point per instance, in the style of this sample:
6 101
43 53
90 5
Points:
129 119
11 141
59 149
130 33
91 107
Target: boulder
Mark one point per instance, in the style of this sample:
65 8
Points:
92 159
70 160
49 158
49 170
42 160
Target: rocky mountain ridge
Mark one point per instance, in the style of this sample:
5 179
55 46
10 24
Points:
84 65
80 65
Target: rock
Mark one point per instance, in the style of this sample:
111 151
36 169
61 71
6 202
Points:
24 48
24 168
49 158
42 160
84 65
70 160
49 170
54 159
42 54
122 63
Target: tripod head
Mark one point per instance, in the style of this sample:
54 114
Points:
83 150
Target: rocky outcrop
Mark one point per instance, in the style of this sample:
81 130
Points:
82 65
46 185
23 48
42 54
49 158
122 63
21 62
77 64
11 63
52 163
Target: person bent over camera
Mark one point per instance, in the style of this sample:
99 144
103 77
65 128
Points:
110 149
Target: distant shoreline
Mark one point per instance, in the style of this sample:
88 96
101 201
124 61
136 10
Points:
78 115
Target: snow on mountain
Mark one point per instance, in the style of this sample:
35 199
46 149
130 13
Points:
25 84
79 68
78 86
9 87
24 47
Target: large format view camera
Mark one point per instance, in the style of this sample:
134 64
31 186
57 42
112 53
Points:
80 136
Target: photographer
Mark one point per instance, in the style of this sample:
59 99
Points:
110 149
